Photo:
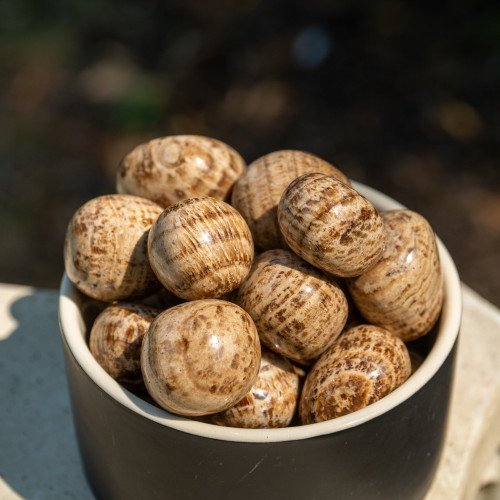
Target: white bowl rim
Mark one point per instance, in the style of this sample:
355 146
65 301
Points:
73 331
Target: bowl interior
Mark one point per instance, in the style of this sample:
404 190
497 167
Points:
75 310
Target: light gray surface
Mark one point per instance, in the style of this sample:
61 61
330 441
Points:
38 452
469 467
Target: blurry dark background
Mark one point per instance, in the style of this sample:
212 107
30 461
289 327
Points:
403 96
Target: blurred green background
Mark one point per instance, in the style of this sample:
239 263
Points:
403 96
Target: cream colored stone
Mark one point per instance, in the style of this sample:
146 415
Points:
298 310
200 357
116 339
272 400
364 365
330 225
200 248
257 192
174 168
403 291
105 249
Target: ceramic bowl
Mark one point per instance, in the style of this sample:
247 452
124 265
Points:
132 449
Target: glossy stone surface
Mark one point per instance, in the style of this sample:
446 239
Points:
363 366
272 400
298 310
330 225
116 339
170 169
200 248
200 357
403 292
257 192
105 250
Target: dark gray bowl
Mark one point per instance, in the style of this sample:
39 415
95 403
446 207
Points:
388 450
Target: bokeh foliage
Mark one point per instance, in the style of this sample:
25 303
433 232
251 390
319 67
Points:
400 95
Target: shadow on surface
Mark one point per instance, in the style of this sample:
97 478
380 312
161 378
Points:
39 457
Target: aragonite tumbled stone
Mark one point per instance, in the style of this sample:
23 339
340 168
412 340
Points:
298 310
257 192
403 292
330 225
170 169
272 400
116 339
200 248
363 366
200 357
105 249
